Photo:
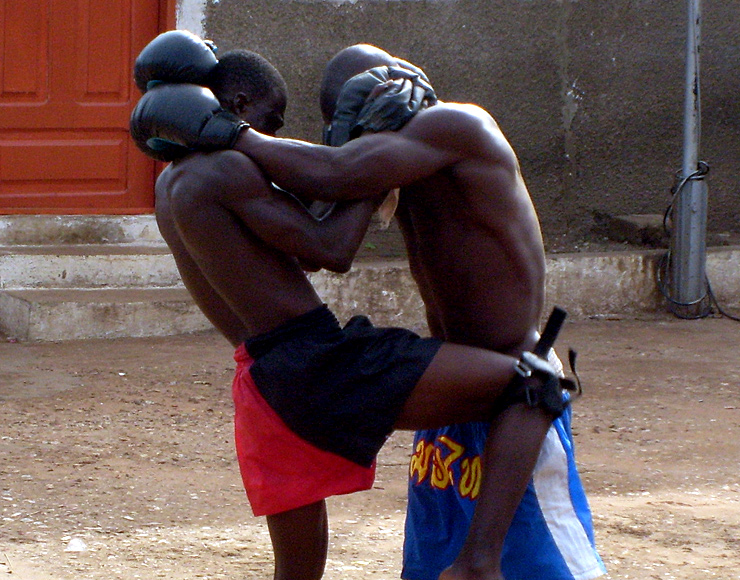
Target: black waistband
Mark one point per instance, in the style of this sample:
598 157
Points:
319 320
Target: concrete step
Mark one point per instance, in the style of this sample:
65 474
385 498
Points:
68 314
87 266
76 277
586 285
29 230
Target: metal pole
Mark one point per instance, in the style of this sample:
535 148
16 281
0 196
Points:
688 243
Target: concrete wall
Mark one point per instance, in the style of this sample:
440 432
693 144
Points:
589 92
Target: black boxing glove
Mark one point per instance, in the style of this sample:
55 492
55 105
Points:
172 120
413 68
350 102
394 103
379 99
175 56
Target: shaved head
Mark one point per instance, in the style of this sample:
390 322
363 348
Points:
347 63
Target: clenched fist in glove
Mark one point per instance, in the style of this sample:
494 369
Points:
175 56
172 120
384 98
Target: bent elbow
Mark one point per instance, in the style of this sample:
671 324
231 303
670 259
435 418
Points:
340 267
340 264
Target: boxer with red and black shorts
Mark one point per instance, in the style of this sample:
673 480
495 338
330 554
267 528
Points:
240 246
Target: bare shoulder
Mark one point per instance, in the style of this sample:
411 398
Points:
459 112
198 169
213 163
464 125
458 116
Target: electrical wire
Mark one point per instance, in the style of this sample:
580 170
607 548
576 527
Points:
665 262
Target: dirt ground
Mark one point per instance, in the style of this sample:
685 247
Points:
117 460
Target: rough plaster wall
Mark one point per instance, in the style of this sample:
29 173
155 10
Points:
190 15
590 93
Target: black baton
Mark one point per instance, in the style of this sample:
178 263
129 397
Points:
550 333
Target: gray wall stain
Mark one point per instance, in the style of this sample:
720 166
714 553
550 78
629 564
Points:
571 97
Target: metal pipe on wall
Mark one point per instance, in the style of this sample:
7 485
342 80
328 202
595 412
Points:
689 214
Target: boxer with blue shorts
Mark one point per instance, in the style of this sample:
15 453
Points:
551 536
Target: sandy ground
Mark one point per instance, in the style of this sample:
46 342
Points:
117 461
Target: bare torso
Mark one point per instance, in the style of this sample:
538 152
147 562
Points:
266 287
475 250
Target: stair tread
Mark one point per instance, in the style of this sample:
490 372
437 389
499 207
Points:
111 295
84 249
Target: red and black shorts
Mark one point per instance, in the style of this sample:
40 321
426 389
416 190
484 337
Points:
315 403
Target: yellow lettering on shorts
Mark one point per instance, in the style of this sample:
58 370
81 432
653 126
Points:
471 477
419 465
441 455
442 476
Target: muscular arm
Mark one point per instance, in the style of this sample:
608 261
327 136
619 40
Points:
283 222
374 163
277 218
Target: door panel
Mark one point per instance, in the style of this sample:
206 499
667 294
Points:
66 93
23 66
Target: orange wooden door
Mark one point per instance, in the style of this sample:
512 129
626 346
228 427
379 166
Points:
66 93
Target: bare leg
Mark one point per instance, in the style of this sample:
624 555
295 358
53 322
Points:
513 445
464 384
300 540
461 384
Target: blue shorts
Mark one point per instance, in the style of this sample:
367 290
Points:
551 536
